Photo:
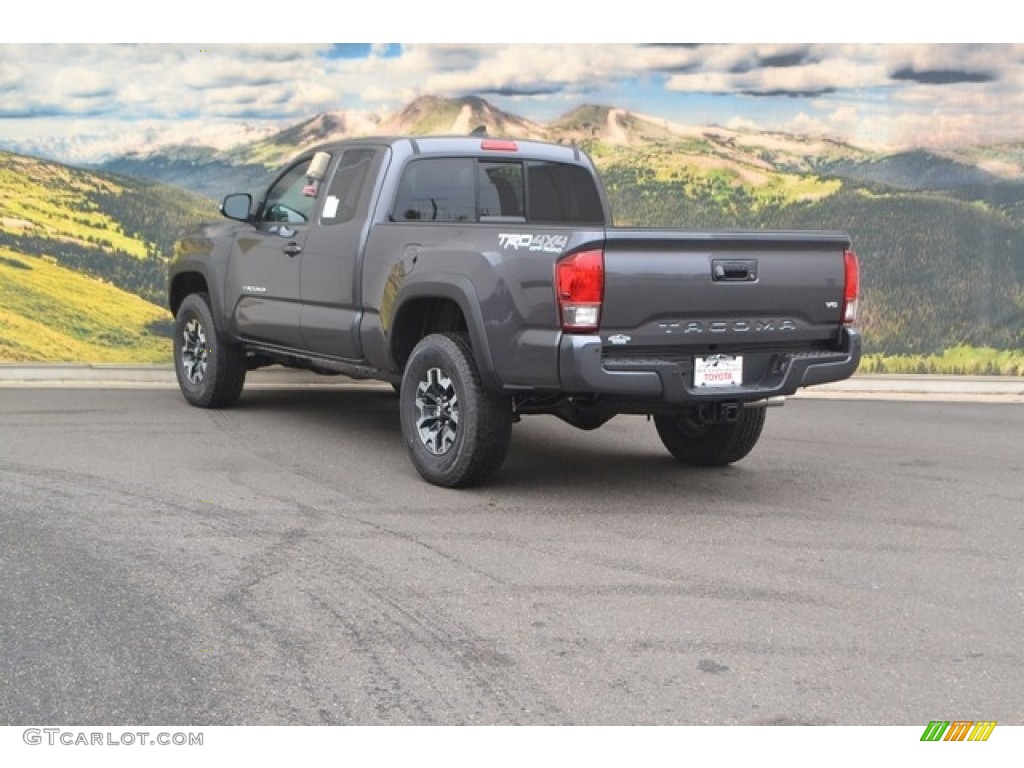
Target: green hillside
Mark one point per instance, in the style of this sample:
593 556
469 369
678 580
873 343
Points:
117 228
55 202
83 268
51 313
668 183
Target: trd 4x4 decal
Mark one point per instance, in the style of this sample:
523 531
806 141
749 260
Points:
521 241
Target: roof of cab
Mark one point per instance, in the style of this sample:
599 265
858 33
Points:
463 145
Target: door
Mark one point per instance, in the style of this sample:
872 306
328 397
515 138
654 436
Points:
331 299
263 280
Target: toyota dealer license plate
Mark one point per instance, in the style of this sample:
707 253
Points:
718 371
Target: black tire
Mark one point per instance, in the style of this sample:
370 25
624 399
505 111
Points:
457 433
710 445
210 372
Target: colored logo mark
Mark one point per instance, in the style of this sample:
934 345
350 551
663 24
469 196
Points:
958 730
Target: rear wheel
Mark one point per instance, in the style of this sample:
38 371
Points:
210 372
456 431
710 445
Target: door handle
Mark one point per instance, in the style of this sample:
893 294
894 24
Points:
292 249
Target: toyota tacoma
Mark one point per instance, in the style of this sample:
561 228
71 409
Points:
484 280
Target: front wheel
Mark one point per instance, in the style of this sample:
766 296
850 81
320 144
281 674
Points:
456 431
710 445
210 372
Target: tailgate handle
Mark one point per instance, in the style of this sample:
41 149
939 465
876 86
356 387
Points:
732 271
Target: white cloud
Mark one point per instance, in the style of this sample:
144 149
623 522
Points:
895 92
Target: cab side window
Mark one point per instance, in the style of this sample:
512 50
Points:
439 189
287 201
346 187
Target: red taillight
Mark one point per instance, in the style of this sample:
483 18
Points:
502 145
851 293
579 282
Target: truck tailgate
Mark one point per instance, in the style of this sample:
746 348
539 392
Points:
721 290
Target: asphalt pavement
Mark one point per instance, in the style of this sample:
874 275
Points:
281 562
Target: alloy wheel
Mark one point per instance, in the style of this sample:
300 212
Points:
437 406
194 351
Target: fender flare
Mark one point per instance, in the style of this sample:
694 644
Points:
213 289
460 290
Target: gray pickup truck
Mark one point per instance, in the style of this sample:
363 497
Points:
483 279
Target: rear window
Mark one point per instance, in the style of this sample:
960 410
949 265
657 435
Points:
469 190
502 191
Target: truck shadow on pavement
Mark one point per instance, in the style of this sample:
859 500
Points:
546 456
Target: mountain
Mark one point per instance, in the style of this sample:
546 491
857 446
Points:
753 158
607 132
83 261
592 123
215 173
1004 160
916 170
276 149
198 169
940 235
436 115
136 138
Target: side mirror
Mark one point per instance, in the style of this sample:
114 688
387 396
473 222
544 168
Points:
237 206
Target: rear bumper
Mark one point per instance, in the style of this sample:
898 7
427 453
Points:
583 368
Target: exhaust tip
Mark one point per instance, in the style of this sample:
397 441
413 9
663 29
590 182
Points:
768 402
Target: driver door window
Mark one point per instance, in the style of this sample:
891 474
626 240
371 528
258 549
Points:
287 201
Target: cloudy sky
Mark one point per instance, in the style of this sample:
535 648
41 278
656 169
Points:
83 100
